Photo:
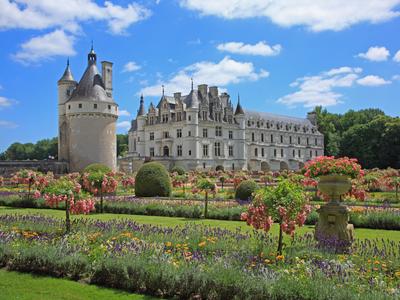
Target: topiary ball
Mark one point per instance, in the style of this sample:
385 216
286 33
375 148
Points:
245 189
179 170
152 180
94 168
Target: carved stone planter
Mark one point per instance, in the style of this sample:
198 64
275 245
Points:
332 229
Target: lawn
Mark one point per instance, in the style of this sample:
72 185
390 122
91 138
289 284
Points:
360 233
14 285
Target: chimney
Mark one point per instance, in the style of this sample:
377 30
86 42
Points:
203 90
177 96
312 116
106 70
214 91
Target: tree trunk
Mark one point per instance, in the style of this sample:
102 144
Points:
206 206
280 244
397 192
101 202
67 219
29 189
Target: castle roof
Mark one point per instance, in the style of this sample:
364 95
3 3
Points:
192 100
277 118
91 86
67 76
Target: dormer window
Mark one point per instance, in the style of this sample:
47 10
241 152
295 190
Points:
95 106
80 105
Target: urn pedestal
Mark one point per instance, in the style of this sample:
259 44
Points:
332 229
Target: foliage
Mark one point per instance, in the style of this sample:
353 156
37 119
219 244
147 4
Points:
92 168
245 189
122 144
328 165
152 180
43 149
179 170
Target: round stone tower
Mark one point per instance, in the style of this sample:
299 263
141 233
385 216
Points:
91 116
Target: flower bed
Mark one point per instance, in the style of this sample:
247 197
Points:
164 261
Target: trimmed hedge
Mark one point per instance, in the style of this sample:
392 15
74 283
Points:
245 189
179 170
152 180
96 168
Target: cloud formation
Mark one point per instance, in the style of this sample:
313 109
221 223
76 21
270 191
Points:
123 113
56 43
5 102
131 66
372 80
321 89
260 48
375 54
396 57
315 15
124 125
227 71
8 124
68 14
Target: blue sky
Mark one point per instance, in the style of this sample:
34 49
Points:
282 56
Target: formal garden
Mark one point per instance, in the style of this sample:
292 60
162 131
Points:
329 231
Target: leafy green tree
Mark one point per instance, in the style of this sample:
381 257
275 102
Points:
122 144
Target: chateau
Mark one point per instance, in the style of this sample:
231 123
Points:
87 116
203 131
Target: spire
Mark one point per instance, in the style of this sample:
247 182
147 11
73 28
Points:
192 83
163 91
239 109
92 57
141 111
67 76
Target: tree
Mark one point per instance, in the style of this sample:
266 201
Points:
286 203
122 144
207 186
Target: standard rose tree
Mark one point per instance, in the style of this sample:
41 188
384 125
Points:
68 191
285 204
207 186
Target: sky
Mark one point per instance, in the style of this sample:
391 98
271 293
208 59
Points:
283 57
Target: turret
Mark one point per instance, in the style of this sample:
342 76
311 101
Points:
312 116
239 109
106 72
141 110
66 84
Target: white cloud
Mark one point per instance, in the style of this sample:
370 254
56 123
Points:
396 57
124 125
396 77
375 54
227 71
8 124
68 14
123 113
56 43
372 80
320 89
261 48
315 15
5 102
131 66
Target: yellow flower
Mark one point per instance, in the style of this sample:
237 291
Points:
168 244
397 274
202 244
280 257
376 262
267 261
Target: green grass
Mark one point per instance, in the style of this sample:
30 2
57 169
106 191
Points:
14 285
360 233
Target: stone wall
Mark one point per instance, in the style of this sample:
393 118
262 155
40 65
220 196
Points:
9 167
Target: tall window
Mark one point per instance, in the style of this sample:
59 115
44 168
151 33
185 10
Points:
294 153
316 152
205 132
204 113
316 142
290 139
217 149
205 150
298 140
151 151
299 153
252 137
189 133
281 152
262 152
262 137
310 153
256 152
230 134
281 139
166 134
179 133
274 152
272 138
179 150
165 118
230 150
218 131
308 141
179 116
151 136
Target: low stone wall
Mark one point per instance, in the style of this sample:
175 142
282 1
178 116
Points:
9 167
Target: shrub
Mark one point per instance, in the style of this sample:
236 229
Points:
152 180
96 168
179 170
219 168
245 189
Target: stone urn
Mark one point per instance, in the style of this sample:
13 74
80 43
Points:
332 229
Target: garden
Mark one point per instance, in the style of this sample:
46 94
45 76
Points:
330 231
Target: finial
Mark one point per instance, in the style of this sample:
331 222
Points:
92 46
163 90
238 98
68 62
192 82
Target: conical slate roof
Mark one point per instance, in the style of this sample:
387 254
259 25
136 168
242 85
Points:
67 76
91 86
239 109
141 111
192 100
